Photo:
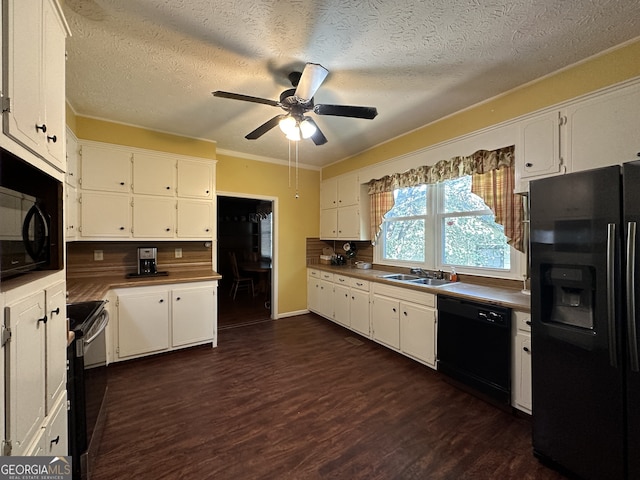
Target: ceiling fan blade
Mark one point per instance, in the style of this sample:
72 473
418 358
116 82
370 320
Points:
312 77
346 111
318 137
264 128
245 98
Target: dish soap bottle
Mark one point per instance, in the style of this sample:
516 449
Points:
453 276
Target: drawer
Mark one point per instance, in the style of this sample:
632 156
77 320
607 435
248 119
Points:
359 284
314 273
341 280
326 276
522 320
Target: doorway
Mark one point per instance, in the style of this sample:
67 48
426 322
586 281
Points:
245 260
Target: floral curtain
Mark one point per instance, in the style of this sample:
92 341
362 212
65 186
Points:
492 179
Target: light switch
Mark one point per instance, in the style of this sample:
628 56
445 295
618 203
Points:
98 256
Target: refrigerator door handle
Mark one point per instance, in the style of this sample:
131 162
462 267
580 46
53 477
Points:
611 305
631 300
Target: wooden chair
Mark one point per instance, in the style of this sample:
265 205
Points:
238 281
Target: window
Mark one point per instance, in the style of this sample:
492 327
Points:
443 225
405 225
470 235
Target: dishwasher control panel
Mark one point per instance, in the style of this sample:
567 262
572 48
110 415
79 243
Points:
491 316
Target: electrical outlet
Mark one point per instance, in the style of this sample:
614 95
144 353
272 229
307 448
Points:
178 253
98 256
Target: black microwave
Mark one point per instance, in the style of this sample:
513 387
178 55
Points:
24 233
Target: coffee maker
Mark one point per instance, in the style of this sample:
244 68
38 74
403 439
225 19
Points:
147 261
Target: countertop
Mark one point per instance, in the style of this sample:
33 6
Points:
506 297
82 289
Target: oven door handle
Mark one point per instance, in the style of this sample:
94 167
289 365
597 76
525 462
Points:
103 324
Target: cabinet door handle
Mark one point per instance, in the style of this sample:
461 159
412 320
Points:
55 440
121 228
56 311
42 128
528 322
52 138
168 188
526 349
177 299
528 165
167 229
405 313
162 300
43 319
122 183
207 192
394 310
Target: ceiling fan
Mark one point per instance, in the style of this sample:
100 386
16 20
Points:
296 102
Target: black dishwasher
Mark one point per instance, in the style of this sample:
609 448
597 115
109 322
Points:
474 346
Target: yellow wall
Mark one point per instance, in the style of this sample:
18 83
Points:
297 218
599 72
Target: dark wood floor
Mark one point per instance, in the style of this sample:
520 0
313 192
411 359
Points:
301 398
244 310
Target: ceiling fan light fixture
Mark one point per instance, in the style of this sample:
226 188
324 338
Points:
287 124
294 134
307 128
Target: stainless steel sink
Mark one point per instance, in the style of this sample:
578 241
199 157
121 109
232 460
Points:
400 276
432 282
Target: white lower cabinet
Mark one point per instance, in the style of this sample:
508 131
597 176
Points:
359 312
160 318
405 320
313 290
341 303
193 315
35 330
521 381
418 332
143 322
385 321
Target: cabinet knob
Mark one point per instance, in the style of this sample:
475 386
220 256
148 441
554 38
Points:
528 165
121 228
42 128
206 229
394 310
52 138
43 319
167 229
207 192
526 349
168 188
56 311
162 300
528 322
122 183
177 299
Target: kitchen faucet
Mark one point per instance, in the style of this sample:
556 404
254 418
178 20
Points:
439 275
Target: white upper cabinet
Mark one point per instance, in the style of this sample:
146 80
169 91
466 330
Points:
105 169
195 178
344 209
540 149
154 175
138 194
34 81
604 130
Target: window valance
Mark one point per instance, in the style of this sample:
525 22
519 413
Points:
480 162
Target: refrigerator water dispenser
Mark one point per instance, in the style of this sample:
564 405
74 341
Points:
570 294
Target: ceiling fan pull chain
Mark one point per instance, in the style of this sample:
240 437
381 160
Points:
289 145
297 195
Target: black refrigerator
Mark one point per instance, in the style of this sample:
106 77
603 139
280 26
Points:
584 305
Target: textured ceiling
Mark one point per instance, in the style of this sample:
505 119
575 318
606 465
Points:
154 63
